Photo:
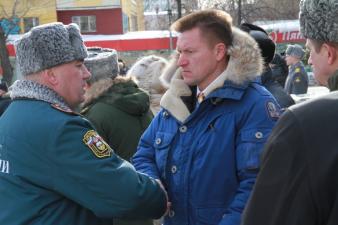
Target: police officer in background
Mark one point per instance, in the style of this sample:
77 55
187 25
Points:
297 81
54 167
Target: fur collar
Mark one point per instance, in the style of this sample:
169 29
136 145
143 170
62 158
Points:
100 87
34 90
245 65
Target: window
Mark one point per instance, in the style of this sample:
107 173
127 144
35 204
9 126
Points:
86 23
30 22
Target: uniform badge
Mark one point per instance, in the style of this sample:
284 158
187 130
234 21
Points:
273 112
297 70
98 146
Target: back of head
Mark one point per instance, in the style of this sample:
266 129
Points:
215 24
295 50
266 45
101 63
147 71
318 20
49 45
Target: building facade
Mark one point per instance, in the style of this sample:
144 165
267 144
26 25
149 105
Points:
102 16
21 17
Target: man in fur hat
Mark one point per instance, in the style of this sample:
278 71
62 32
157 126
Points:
297 81
205 144
117 107
54 167
298 181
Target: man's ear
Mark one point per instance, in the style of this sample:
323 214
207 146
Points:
50 77
220 51
331 52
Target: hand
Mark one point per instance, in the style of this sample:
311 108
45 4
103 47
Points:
168 203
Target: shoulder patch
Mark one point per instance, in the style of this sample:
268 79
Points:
272 110
96 144
297 79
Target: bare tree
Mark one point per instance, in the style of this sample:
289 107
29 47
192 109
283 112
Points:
253 10
11 17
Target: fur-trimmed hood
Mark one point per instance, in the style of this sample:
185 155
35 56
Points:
122 92
245 65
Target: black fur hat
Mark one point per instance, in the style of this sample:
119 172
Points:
265 43
3 86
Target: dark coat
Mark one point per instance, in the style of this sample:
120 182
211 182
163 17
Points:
284 100
333 82
297 81
5 100
120 112
298 182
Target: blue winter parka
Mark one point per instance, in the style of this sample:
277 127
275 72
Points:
208 157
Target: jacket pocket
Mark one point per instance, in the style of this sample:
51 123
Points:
210 215
162 144
249 148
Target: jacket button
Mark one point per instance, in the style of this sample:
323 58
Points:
165 114
174 169
183 129
259 135
171 213
158 141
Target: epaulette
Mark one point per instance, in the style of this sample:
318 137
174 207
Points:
63 109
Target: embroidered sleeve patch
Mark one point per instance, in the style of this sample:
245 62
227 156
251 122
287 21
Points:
272 110
95 143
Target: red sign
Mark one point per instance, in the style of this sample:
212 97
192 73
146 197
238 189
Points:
287 36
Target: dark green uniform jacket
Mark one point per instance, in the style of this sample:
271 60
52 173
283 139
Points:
120 112
55 169
333 82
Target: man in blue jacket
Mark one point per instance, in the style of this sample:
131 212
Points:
54 167
205 144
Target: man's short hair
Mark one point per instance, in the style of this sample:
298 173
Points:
214 24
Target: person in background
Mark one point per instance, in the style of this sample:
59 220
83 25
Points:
117 108
5 100
297 81
147 71
123 69
267 47
279 69
54 167
205 144
298 180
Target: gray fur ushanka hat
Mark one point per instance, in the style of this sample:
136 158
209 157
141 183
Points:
318 19
295 50
49 45
102 63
